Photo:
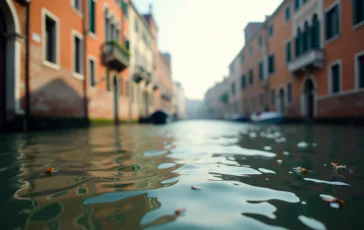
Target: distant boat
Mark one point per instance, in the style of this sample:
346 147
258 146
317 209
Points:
239 118
160 117
267 117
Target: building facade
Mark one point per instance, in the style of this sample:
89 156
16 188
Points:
179 102
74 60
141 65
295 62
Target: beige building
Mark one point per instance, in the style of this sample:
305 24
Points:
141 65
217 100
179 102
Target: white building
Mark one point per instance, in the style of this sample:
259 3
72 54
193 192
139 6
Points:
141 64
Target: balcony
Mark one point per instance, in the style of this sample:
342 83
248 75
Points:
156 84
115 56
140 74
313 58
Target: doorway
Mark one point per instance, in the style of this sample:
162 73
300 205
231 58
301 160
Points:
282 106
2 70
116 99
309 97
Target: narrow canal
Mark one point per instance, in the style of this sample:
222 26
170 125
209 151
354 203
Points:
136 176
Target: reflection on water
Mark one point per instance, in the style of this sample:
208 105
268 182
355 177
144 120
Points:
135 177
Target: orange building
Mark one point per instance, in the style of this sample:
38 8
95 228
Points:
69 59
295 61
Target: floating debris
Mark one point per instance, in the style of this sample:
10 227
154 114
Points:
180 211
195 187
49 171
302 144
337 166
236 184
334 202
301 170
267 148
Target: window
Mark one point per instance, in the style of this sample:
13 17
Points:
124 8
233 88
271 64
305 37
50 38
260 41
92 16
107 21
242 57
112 31
298 42
243 84
127 44
250 50
231 69
360 70
251 77
136 26
289 92
296 4
76 4
261 70
288 52
92 72
117 35
288 13
335 72
77 53
271 30
315 32
358 11
273 96
332 22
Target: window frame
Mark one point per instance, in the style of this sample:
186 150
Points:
79 76
337 62
356 25
56 65
78 11
269 56
288 10
94 59
357 69
329 8
93 33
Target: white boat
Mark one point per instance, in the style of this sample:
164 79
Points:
267 117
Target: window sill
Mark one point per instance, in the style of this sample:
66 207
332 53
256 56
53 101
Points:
92 35
78 76
77 11
51 65
336 37
358 25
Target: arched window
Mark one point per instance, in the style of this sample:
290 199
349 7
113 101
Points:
298 42
315 32
306 37
106 24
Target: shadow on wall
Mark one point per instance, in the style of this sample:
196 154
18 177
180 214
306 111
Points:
55 105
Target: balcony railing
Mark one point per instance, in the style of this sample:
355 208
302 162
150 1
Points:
313 58
140 74
115 56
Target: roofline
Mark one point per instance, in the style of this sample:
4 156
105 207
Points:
142 19
264 23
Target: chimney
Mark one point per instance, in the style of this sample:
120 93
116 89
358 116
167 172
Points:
150 8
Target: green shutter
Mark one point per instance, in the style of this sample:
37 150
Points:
355 12
337 19
327 20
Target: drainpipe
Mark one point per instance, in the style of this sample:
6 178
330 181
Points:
84 83
27 65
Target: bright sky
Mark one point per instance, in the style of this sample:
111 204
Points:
203 36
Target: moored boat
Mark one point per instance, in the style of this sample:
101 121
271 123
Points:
160 117
267 117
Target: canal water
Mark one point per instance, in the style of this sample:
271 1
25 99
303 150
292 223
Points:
137 176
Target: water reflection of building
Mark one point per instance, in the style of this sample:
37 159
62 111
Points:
102 166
